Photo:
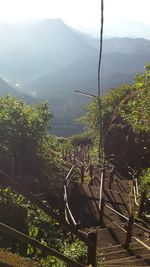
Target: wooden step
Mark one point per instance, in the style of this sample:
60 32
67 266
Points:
109 236
138 251
115 184
137 245
93 192
130 261
114 254
85 210
108 249
118 252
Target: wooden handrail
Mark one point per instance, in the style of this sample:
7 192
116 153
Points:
101 189
113 158
125 231
35 243
127 219
68 208
68 176
48 210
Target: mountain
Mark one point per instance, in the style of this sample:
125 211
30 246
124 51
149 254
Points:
6 89
126 45
50 60
29 51
59 87
121 27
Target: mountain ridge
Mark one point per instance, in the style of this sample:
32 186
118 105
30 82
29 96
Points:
50 60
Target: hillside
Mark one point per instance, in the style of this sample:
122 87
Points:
6 89
83 74
127 45
59 87
29 51
50 60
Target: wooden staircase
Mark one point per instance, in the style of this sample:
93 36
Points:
112 252
117 255
110 232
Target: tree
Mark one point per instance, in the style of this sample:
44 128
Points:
126 119
27 151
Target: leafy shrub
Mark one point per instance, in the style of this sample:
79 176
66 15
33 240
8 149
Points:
81 139
145 181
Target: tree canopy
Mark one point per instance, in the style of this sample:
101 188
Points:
28 152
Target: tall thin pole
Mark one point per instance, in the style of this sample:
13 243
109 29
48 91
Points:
99 85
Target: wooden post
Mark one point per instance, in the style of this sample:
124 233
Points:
92 249
82 174
111 176
141 205
129 231
91 170
101 213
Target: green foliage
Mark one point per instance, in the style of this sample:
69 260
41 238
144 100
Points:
124 106
13 213
33 158
27 152
81 139
23 129
109 103
137 111
132 102
145 181
76 250
18 213
36 224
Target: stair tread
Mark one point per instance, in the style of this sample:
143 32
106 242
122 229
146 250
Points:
129 258
126 262
110 239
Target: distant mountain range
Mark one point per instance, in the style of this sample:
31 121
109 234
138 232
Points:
30 51
50 60
121 27
6 89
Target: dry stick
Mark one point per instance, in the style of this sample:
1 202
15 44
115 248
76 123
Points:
80 234
35 243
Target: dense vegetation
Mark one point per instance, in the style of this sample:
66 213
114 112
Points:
31 156
126 123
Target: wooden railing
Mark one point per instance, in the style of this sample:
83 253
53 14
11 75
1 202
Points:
35 243
92 236
117 162
131 174
49 211
67 208
101 200
131 222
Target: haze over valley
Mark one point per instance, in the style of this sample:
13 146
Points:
49 60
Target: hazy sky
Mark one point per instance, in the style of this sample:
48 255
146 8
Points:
78 13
